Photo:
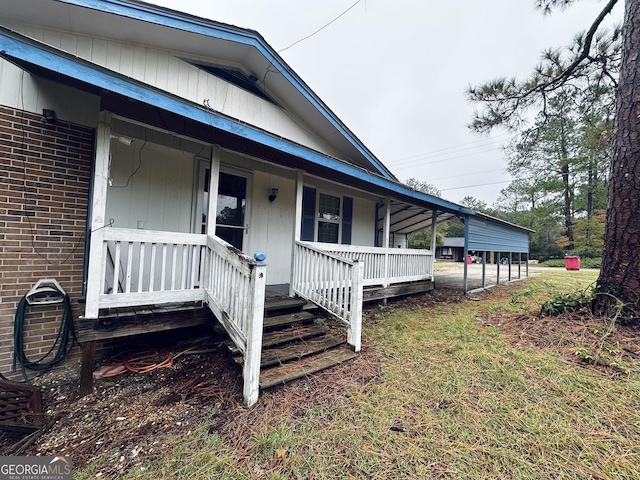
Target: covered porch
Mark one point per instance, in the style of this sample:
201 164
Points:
138 267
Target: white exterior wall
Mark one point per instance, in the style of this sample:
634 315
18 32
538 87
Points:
159 194
165 70
364 220
19 89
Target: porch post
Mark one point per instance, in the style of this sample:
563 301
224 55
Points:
95 275
297 227
434 222
385 240
510 261
214 180
253 350
354 333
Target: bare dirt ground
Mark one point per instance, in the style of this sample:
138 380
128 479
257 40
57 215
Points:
128 416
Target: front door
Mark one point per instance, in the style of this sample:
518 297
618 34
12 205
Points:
230 217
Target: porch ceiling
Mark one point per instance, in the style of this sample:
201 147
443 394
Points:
407 218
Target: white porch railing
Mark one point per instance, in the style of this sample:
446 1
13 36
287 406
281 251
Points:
143 267
235 289
332 282
385 266
146 267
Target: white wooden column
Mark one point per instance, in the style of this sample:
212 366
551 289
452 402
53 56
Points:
253 350
95 275
297 227
434 223
385 239
354 332
214 180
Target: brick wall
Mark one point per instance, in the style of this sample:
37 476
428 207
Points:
44 187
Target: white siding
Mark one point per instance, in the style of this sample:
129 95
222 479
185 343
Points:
364 220
159 193
271 229
32 94
164 69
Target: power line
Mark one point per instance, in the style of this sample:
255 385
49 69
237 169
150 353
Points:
478 185
321 28
445 159
455 147
467 174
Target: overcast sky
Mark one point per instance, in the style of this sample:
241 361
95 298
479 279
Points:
395 72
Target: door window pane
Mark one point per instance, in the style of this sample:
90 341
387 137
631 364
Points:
232 193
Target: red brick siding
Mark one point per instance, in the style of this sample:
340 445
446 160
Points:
44 188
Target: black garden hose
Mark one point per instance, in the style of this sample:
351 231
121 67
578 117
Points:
58 351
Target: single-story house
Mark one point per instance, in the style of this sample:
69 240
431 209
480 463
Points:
150 157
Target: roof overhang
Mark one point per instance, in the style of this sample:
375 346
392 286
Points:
41 59
140 23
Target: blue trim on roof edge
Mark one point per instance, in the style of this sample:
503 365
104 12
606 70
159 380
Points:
31 51
160 16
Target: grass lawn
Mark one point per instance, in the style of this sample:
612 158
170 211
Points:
446 387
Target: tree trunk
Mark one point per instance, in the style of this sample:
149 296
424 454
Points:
619 281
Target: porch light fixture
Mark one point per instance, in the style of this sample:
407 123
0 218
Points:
49 116
123 140
274 194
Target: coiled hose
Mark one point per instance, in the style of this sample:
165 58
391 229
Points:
58 351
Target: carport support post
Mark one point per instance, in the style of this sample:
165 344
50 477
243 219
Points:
498 269
519 265
465 253
510 260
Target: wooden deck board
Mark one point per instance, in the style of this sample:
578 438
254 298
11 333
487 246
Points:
287 319
295 351
280 337
92 330
307 366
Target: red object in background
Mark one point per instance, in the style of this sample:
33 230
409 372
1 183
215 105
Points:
572 263
469 259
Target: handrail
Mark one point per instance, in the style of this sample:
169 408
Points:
145 267
234 287
333 283
385 266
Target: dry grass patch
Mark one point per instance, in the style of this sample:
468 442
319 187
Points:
446 387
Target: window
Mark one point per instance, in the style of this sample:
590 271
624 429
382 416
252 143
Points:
326 218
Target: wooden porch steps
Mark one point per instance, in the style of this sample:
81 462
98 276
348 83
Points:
295 350
280 337
288 319
293 346
306 366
